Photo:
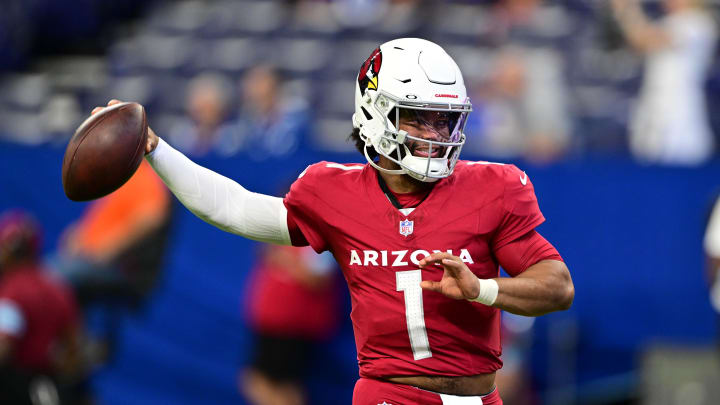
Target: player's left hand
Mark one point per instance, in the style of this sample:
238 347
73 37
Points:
457 282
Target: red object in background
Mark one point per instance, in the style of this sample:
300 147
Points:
20 235
49 311
283 302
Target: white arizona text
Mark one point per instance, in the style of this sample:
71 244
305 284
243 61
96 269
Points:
398 258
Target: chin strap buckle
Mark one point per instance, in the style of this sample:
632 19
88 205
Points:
401 134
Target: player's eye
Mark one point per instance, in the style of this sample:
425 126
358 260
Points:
412 121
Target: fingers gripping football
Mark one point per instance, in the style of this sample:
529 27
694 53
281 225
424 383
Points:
457 282
152 138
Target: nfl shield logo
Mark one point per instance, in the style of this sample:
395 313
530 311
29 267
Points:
406 227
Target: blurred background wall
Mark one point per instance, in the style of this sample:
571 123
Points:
554 85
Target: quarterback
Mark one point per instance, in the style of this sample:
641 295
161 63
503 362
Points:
418 233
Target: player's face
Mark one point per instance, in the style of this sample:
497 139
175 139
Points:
430 125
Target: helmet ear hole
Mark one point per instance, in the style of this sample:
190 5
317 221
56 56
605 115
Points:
366 113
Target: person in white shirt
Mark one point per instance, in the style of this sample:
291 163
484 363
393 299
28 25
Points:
670 123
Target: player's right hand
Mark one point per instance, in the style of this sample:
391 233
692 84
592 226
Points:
152 138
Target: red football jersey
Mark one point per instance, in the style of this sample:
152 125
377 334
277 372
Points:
399 328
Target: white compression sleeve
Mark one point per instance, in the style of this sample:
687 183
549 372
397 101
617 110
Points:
220 201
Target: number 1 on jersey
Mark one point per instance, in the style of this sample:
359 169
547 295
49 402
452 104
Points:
409 283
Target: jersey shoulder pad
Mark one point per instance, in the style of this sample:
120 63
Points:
480 168
326 177
514 178
519 192
501 179
519 205
490 175
324 169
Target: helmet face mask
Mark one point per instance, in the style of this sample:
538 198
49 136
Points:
427 142
404 113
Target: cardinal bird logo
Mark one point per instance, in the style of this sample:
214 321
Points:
368 77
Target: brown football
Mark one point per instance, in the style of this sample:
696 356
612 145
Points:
105 152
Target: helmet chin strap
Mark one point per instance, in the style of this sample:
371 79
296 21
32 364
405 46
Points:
424 179
375 165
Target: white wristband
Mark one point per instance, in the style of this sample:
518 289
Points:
488 292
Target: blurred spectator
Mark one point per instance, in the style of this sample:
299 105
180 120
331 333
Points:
670 123
390 17
522 108
313 15
292 308
712 255
108 246
114 252
270 123
60 116
514 380
530 22
40 331
359 13
207 103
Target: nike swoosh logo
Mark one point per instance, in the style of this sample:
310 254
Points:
523 179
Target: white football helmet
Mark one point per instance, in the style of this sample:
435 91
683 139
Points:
417 80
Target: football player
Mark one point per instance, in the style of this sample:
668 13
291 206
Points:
40 327
418 233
